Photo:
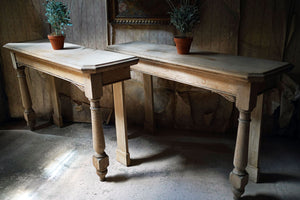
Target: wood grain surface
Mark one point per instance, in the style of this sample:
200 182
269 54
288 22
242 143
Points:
237 66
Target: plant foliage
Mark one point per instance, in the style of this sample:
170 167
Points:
185 16
58 16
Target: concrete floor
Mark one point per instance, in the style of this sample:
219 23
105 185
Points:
55 163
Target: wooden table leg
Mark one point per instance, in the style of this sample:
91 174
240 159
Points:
239 177
100 159
122 152
57 119
254 140
29 114
149 123
93 91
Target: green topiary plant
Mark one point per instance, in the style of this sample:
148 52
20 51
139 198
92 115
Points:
58 16
185 16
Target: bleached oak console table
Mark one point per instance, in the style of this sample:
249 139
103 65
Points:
89 70
239 79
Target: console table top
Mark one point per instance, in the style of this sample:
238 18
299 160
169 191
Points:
73 56
238 66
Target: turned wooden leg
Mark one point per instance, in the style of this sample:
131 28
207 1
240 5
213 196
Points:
123 155
149 123
29 114
239 177
100 159
254 140
93 91
57 118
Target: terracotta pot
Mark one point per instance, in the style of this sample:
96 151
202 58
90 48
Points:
183 44
57 41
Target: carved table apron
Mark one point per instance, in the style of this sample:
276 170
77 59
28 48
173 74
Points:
239 79
89 70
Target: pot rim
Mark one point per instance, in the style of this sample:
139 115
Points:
56 36
183 37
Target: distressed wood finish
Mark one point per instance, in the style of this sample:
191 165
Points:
218 30
236 77
258 21
239 176
87 68
121 124
57 118
93 91
254 143
149 123
29 113
235 67
26 23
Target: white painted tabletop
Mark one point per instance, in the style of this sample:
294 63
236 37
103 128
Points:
74 56
239 66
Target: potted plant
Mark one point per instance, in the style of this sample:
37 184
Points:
58 16
184 17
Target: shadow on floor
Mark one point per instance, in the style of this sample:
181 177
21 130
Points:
135 134
276 177
117 178
155 157
126 177
261 197
40 126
